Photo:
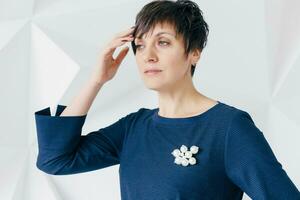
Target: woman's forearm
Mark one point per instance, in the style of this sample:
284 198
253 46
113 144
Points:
81 103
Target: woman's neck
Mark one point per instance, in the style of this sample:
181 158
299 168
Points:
183 102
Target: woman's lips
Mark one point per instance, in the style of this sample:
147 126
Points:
153 72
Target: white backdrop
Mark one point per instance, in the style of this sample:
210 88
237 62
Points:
49 47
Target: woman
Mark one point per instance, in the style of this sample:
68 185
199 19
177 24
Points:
190 147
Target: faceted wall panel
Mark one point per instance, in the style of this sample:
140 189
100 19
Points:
48 48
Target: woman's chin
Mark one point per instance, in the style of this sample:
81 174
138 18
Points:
155 87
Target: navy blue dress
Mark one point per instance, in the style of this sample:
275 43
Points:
218 154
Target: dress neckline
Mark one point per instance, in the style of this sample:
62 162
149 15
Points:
184 120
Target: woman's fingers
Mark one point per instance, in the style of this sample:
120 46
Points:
125 33
108 66
120 39
127 38
118 42
121 55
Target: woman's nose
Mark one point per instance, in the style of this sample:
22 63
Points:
150 55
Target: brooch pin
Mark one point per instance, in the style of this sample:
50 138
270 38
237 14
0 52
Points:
184 156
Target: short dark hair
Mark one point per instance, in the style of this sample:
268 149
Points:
184 15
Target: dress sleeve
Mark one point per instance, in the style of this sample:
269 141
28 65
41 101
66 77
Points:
63 150
251 164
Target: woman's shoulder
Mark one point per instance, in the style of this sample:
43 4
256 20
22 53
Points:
233 115
239 118
139 113
234 110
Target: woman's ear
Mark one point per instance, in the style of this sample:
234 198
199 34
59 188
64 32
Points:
196 56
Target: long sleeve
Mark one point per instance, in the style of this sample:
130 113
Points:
251 164
63 150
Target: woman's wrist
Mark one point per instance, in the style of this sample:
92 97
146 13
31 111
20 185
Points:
96 82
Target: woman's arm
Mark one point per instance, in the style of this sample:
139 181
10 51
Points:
83 101
62 148
251 164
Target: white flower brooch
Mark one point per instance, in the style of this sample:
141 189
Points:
184 157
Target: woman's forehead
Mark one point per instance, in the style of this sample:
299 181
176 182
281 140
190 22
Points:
158 29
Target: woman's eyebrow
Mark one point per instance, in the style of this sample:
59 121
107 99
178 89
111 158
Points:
157 34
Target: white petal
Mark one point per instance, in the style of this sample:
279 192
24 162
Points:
184 162
194 149
176 152
192 161
188 154
183 148
177 160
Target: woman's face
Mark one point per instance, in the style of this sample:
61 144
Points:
165 52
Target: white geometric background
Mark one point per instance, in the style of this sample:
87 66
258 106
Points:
49 47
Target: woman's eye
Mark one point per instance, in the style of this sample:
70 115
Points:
160 42
164 42
137 46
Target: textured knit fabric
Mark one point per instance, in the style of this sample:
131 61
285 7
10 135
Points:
233 155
